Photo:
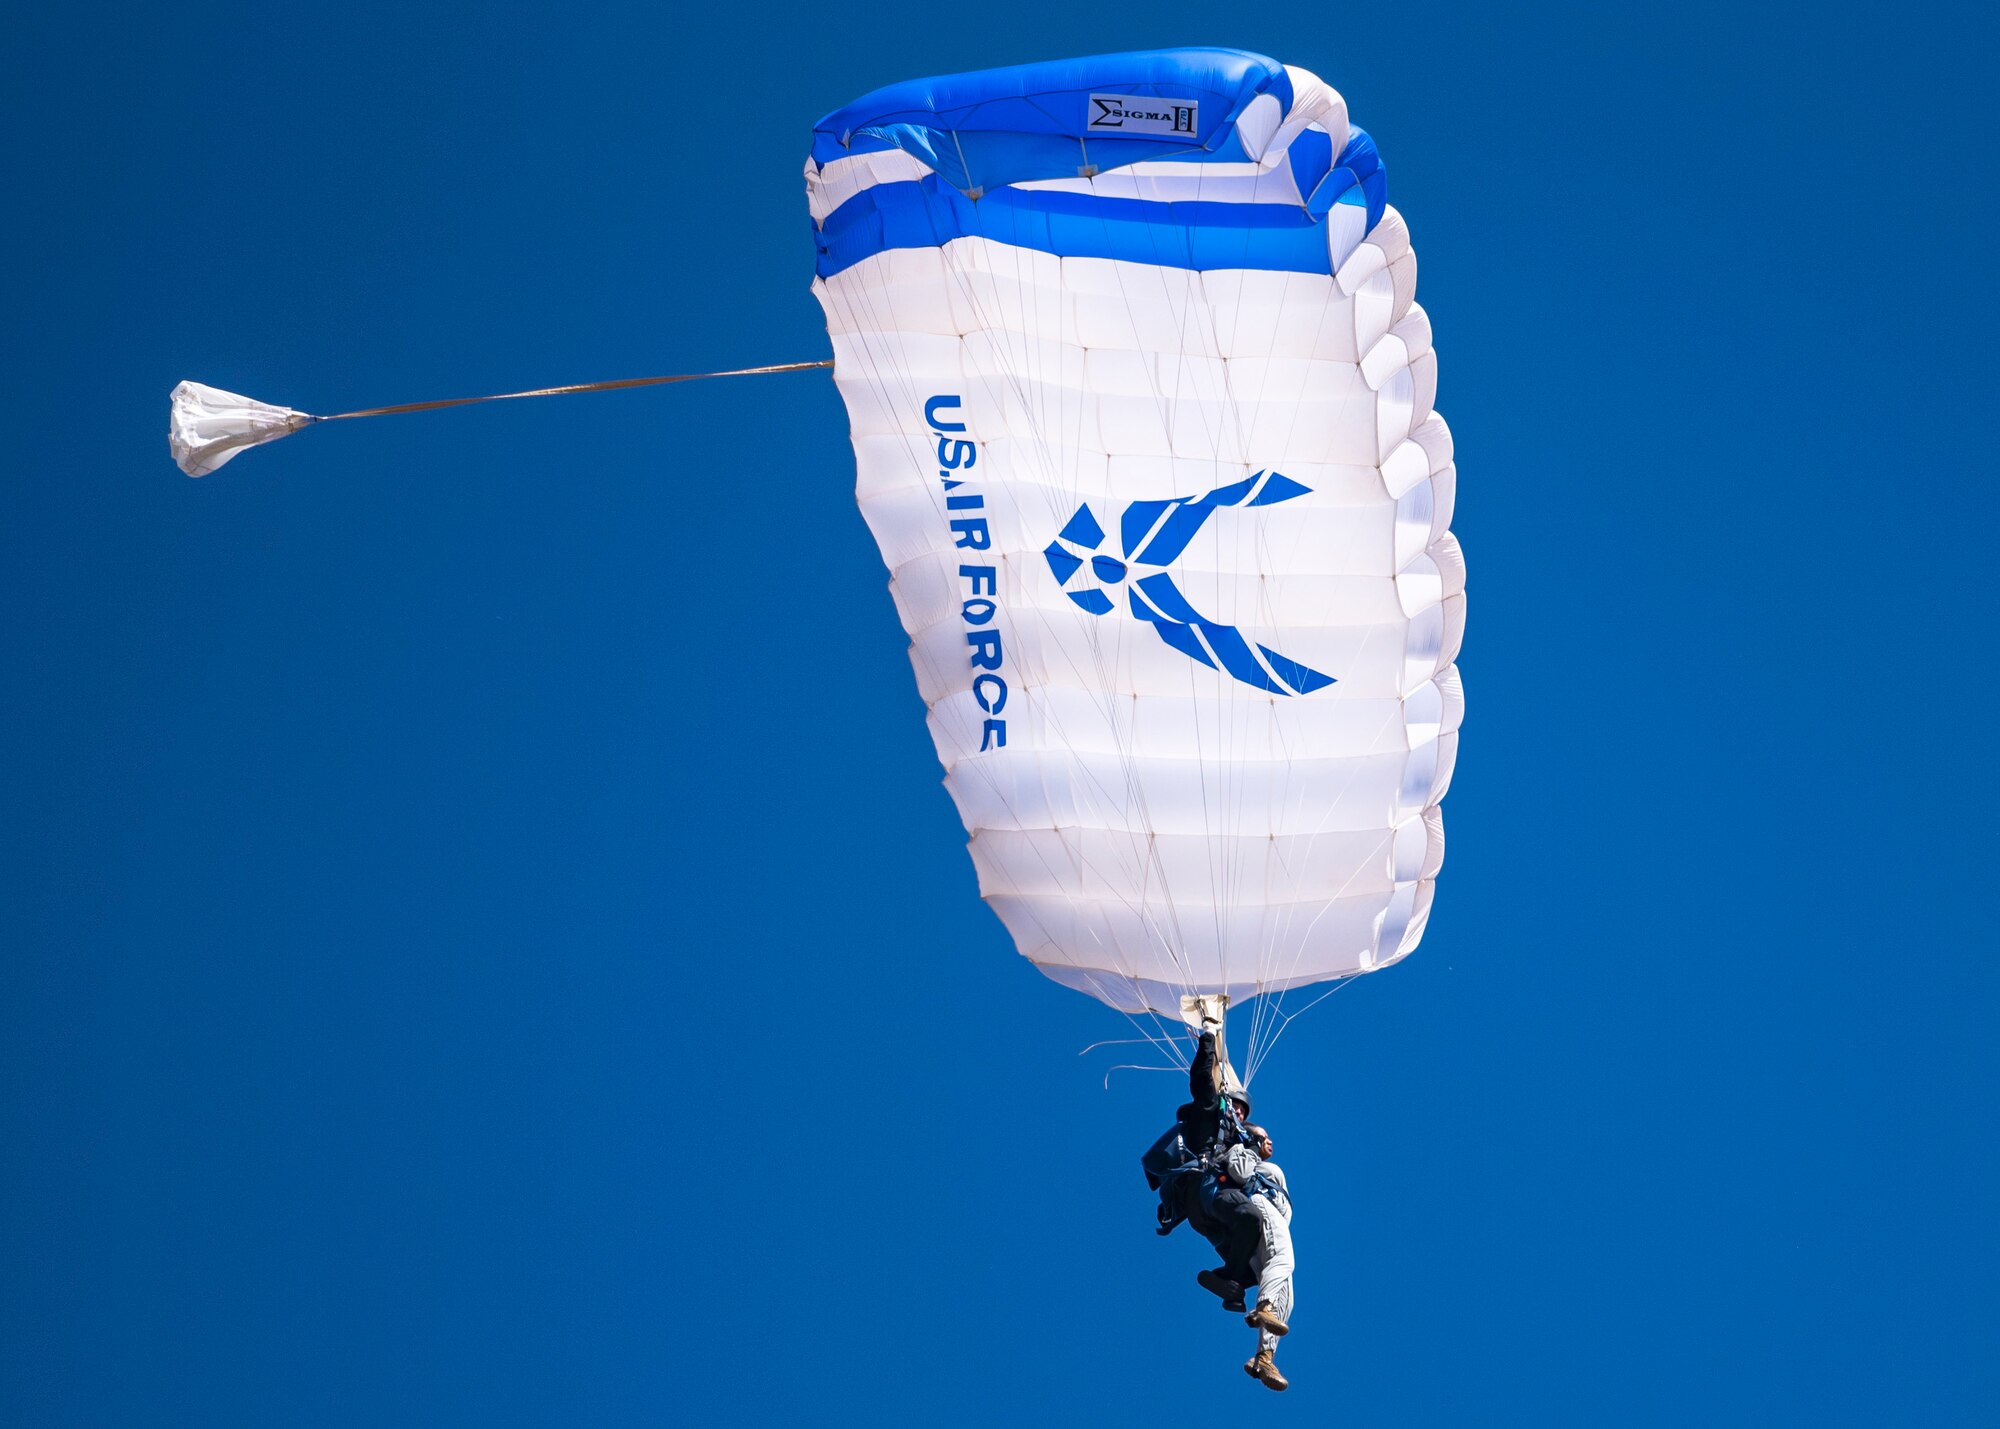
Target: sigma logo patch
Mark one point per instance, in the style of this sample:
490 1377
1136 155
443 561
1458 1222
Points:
1138 114
1152 535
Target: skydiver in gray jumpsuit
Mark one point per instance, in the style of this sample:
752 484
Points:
1271 1199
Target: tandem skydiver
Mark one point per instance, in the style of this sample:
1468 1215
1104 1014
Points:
1213 1170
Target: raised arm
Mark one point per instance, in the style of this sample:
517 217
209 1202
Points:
1205 1075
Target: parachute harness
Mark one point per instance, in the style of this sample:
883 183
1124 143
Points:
1228 1132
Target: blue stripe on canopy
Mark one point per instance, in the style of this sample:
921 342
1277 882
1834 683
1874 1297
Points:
929 212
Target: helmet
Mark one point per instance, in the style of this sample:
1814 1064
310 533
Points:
1233 1090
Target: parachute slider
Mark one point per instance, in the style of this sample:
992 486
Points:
1199 1009
1204 1011
207 426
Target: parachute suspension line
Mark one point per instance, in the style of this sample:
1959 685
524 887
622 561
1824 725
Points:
1268 1013
1229 439
1277 1011
1173 936
867 322
1147 361
1021 372
1195 315
996 331
877 332
1119 1042
1222 806
1257 1060
1270 1022
1226 819
1135 802
1135 1067
870 328
972 189
1269 588
1275 927
874 328
1278 1008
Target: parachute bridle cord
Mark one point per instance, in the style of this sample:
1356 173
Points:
612 386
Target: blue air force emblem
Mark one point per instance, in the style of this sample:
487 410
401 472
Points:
1152 534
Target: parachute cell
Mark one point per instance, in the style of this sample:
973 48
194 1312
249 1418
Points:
1141 410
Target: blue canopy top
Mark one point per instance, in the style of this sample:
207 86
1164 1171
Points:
1048 120
978 134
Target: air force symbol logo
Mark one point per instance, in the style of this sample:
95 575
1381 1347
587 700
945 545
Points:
1152 534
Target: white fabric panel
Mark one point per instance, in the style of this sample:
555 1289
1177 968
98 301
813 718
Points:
1330 725
928 589
1147 822
1242 949
1044 789
1312 541
1234 869
1127 658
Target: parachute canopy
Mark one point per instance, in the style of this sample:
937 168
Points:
1141 410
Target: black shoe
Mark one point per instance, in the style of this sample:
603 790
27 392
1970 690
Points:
1216 1283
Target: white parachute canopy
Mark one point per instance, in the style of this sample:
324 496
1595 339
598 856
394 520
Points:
208 426
1141 411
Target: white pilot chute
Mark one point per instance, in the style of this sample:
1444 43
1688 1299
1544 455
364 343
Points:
208 426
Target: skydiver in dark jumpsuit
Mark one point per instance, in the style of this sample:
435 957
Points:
1183 1167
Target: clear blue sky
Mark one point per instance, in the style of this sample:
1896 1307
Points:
367 805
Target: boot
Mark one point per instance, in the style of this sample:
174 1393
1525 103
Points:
1264 1318
1265 1369
1216 1283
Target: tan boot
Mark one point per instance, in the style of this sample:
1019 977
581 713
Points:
1265 1368
1263 1319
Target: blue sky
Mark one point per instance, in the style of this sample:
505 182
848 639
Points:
482 949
